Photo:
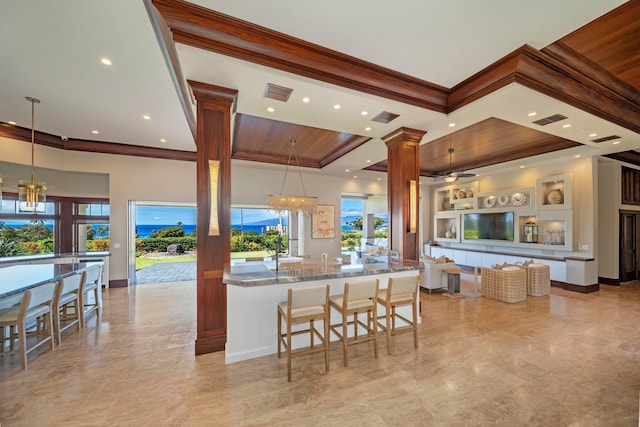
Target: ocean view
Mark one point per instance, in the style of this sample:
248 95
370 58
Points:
145 230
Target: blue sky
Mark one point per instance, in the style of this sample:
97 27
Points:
352 207
165 215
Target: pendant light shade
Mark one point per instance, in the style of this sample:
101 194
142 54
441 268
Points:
32 197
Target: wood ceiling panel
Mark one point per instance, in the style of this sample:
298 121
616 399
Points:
486 143
613 42
265 140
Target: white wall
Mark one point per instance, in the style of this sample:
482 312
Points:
608 202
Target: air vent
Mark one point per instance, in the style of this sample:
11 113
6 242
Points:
606 138
385 117
550 119
279 93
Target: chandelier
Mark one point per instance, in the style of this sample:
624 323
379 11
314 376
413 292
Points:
281 202
32 196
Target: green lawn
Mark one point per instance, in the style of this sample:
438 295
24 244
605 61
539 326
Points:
148 262
252 254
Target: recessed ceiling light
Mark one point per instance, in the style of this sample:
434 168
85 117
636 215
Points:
577 156
568 125
451 125
95 132
347 170
11 123
521 166
368 161
364 113
379 179
337 107
593 135
355 176
271 109
163 140
367 128
146 117
531 114
615 142
305 99
105 61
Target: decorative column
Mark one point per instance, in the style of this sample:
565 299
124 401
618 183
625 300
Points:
214 109
403 178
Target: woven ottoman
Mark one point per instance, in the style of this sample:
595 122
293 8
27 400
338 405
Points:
504 285
538 280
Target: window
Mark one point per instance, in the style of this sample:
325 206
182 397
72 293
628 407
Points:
90 226
26 233
67 225
255 230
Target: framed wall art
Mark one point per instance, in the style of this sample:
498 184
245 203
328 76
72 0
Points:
323 222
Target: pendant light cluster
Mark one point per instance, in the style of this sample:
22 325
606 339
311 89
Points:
32 196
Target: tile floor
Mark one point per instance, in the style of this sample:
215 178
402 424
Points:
564 360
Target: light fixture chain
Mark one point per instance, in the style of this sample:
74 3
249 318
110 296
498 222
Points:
304 191
286 170
33 140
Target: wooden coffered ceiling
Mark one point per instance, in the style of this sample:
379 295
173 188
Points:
486 143
594 69
264 140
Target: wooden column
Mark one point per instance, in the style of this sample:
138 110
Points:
403 152
214 108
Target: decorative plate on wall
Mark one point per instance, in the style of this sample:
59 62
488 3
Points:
503 200
489 202
518 199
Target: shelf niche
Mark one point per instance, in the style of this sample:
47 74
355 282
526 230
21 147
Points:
447 228
554 192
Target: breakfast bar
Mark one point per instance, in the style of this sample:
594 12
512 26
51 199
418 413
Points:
254 291
16 279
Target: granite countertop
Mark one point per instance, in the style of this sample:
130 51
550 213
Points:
263 273
18 259
18 278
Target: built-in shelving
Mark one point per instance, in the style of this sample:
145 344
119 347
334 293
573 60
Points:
548 206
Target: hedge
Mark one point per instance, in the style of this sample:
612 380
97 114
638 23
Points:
160 244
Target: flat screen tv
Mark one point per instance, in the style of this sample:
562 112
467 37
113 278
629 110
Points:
489 226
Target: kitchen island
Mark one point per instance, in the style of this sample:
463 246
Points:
254 290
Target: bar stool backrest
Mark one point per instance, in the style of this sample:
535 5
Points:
363 289
308 297
71 283
401 287
42 294
93 275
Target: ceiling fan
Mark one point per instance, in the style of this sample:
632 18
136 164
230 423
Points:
452 176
